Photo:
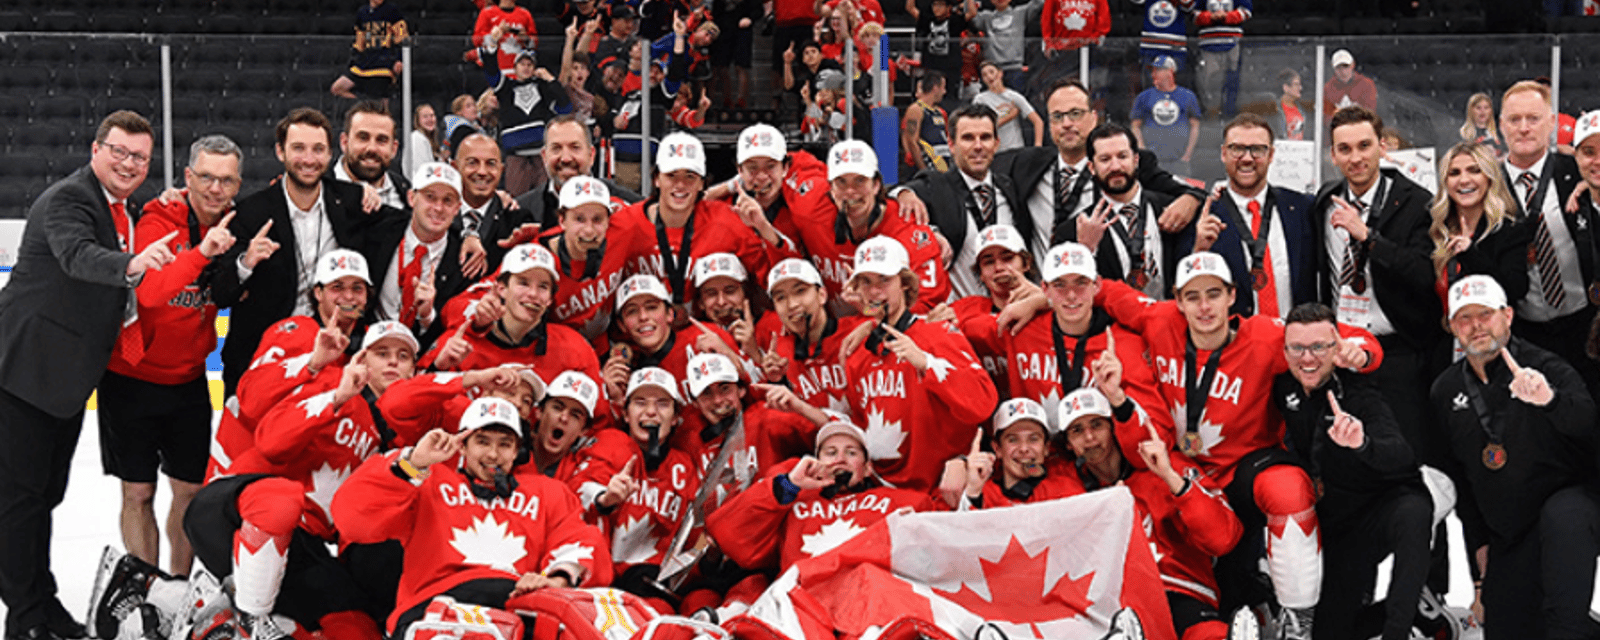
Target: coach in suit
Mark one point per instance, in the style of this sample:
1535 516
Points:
60 315
1131 247
568 151
432 234
1266 233
310 213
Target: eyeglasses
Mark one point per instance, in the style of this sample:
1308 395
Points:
120 153
473 163
1316 348
1073 115
207 181
1257 151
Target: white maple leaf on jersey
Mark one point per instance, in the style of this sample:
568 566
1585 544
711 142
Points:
1050 401
939 367
445 378
317 404
1150 534
829 536
883 437
324 483
1210 433
1074 21
293 366
489 543
632 543
838 404
571 552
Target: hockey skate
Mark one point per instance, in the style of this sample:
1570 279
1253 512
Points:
120 586
1125 625
1294 624
1245 625
210 612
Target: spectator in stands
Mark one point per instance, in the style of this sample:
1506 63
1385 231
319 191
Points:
155 403
1166 117
734 50
793 22
501 32
799 75
1165 32
1474 223
307 211
1556 312
1479 125
528 100
462 119
1069 25
939 31
579 12
687 117
422 146
617 40
375 58
1220 30
1010 106
368 145
923 132
1347 87
1290 113
1004 25
574 71
825 119
489 111
59 319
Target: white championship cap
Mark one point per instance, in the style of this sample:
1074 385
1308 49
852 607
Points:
793 269
838 427
654 377
582 190
340 263
1479 289
882 255
575 385
1068 258
1204 263
491 412
1588 125
761 141
526 373
718 264
1342 57
1000 235
680 150
529 255
852 157
1017 409
641 285
1080 403
707 369
388 329
432 173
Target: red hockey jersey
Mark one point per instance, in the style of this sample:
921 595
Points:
717 229
642 528
177 320
770 437
1187 531
825 236
278 370
817 376
975 315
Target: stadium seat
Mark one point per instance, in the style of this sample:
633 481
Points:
61 107
63 21
14 20
142 80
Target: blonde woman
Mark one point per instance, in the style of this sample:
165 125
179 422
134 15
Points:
1475 228
1479 125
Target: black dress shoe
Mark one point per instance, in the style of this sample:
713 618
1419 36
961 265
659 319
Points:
68 629
40 632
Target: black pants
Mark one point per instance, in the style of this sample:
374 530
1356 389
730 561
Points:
34 461
1398 522
1539 586
1565 336
1407 373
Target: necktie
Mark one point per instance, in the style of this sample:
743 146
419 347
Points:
986 205
1544 250
1267 293
1347 271
470 219
410 274
1064 192
130 342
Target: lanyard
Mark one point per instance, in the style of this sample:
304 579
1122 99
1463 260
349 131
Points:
677 269
841 225
1132 238
592 257
1479 405
1071 372
803 349
1258 240
1197 394
385 434
1374 211
878 335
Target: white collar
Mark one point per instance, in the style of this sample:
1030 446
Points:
411 242
1537 169
988 179
297 212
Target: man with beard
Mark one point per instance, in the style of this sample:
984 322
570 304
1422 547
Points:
1519 431
1003 267
307 214
962 202
1265 233
278 503
568 152
414 497
417 254
804 356
368 144
1020 434
1123 230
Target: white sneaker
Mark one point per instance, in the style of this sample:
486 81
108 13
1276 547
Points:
1245 625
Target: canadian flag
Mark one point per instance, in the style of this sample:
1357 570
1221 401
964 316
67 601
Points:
1057 569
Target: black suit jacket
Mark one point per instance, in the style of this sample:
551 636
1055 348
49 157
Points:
947 198
1399 254
63 307
1294 213
383 246
537 206
269 295
1108 262
1564 177
1029 165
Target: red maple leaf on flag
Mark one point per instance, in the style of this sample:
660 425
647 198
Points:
1017 591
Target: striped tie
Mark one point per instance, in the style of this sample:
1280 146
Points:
986 203
1347 272
1544 250
1064 191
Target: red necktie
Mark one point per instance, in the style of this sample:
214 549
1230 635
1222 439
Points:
119 218
410 274
1267 295
130 342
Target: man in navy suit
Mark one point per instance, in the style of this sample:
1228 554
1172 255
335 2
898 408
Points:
60 315
416 256
1265 233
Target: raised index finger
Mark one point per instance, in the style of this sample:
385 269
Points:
262 233
1333 403
1510 361
977 443
1111 342
627 469
226 219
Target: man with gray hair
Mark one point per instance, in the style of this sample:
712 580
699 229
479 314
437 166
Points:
154 399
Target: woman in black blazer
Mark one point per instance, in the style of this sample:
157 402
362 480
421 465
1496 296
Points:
1475 227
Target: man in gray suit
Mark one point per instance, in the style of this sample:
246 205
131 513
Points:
59 318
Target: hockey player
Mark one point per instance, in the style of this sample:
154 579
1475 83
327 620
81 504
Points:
916 384
569 444
1003 266
279 503
835 223
647 319
760 436
1020 434
725 296
1216 376
592 252
1185 515
476 525
774 178
805 354
429 401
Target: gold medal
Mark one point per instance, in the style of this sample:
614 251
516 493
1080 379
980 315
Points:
1594 293
1258 278
1494 456
1191 445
